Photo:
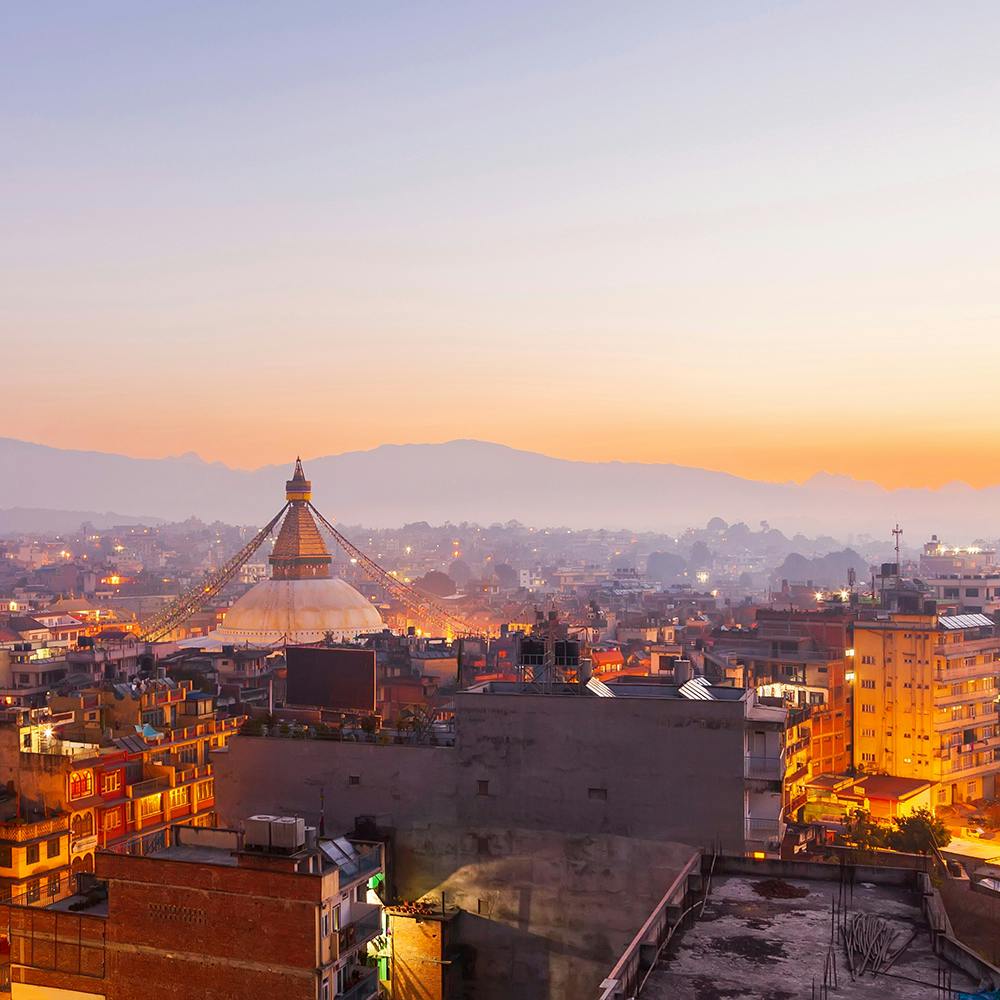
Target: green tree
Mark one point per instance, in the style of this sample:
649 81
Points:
918 833
863 832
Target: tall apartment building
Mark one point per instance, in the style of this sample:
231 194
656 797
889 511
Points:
803 658
217 915
925 703
116 761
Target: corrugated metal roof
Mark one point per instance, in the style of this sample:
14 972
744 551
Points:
595 686
952 622
697 689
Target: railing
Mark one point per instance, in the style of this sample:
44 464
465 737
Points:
629 974
361 930
365 863
20 832
764 768
148 843
761 829
365 987
959 671
150 786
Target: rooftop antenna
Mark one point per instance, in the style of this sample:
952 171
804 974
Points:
897 533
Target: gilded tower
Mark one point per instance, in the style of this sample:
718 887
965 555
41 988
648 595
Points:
299 552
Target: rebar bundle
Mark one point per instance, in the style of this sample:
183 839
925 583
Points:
870 944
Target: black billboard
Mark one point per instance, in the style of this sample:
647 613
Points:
331 678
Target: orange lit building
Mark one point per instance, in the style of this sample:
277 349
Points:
119 761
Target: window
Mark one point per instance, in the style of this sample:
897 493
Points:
5 856
111 819
54 883
203 791
354 779
111 782
52 848
868 683
601 794
942 795
81 784
870 733
868 659
31 854
483 845
868 758
179 797
34 891
971 591
324 990
150 805
970 790
865 707
482 787
325 924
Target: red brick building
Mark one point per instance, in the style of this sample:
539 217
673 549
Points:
217 915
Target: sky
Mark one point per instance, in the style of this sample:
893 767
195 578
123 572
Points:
749 236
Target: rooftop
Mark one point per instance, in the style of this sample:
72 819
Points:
749 942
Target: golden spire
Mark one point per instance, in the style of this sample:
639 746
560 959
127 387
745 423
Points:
299 552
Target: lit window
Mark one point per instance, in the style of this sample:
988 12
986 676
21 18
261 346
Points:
81 784
150 805
111 782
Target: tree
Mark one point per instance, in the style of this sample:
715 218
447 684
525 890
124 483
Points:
506 576
665 566
863 832
460 572
436 583
919 833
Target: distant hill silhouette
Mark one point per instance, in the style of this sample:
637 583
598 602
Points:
483 482
18 520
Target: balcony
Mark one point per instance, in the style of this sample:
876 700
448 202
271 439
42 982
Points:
365 987
956 671
364 865
763 768
761 831
24 831
361 930
140 789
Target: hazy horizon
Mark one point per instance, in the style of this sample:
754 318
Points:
290 458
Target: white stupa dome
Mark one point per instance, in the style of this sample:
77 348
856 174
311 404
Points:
301 602
274 612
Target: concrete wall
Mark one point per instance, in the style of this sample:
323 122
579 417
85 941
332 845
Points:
659 769
625 766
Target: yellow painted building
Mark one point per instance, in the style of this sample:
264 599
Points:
34 859
925 702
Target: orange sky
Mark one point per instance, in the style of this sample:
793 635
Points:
342 226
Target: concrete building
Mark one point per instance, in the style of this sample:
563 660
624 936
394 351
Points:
925 702
217 915
804 659
700 768
966 580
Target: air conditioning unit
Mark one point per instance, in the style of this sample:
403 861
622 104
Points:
288 832
257 831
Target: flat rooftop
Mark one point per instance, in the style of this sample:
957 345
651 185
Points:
748 943
196 854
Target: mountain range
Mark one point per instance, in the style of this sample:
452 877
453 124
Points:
483 482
